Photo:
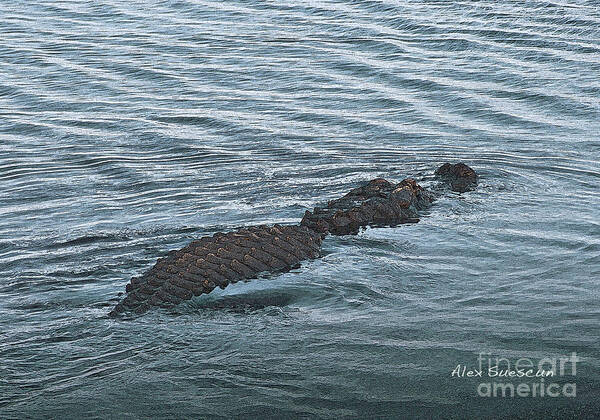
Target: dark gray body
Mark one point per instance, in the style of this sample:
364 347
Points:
226 258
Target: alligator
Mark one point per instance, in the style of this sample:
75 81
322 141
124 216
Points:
249 252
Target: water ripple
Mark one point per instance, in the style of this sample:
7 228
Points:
129 130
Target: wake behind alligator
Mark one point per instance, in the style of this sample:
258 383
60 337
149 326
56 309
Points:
246 253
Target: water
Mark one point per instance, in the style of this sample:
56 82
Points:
129 128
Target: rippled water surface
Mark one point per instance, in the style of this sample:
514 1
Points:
129 128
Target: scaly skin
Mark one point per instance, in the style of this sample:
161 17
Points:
218 261
379 203
459 177
226 258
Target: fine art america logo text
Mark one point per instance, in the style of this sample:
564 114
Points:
523 378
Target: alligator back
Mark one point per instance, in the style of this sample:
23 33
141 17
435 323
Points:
379 203
217 261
